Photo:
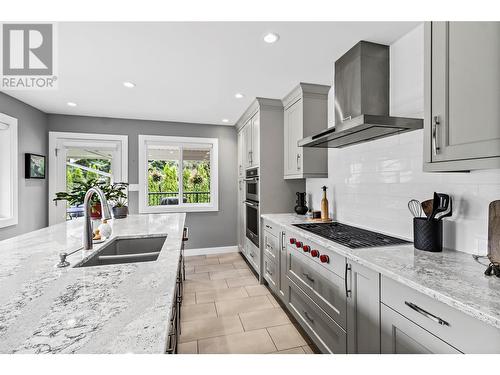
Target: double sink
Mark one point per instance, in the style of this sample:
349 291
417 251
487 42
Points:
126 250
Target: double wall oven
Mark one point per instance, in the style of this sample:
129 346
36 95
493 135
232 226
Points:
252 205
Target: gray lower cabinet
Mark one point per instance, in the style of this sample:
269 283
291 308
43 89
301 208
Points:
462 92
324 287
363 309
270 273
328 336
400 335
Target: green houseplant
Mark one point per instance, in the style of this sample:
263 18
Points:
115 194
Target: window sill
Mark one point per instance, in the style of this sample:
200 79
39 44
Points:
175 209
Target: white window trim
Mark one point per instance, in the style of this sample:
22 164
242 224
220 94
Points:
143 175
57 215
14 171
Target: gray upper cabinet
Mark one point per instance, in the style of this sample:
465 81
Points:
363 309
462 92
241 169
305 113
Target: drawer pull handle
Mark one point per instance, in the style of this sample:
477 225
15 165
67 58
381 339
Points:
347 289
306 314
427 314
307 276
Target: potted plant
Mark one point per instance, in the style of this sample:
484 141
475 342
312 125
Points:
114 194
119 199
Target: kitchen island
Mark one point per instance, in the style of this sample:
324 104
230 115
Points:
120 308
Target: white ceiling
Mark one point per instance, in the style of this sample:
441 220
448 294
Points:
189 72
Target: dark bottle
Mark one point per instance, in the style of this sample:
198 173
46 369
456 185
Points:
301 207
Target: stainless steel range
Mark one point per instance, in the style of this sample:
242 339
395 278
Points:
352 237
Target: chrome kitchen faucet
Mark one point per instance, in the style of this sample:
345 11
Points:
105 214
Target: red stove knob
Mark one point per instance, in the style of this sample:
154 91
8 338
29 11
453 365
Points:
314 253
292 240
324 259
298 244
306 248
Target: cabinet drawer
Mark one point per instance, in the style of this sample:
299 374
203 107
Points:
270 273
401 336
252 254
462 331
336 263
326 334
322 286
271 245
271 227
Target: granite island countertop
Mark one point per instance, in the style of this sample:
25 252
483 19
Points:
121 308
451 277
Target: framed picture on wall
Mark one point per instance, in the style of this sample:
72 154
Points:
34 166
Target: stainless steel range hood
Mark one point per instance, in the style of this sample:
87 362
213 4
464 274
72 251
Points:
362 100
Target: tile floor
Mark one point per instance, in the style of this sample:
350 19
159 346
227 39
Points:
225 310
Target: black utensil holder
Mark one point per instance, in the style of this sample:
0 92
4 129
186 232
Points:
428 234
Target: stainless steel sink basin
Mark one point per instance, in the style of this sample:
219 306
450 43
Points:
126 250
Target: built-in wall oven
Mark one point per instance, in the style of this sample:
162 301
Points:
252 205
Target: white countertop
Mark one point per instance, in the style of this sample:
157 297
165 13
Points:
122 308
451 277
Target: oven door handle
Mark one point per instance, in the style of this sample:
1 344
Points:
251 204
253 179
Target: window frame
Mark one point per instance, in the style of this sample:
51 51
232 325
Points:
178 142
13 219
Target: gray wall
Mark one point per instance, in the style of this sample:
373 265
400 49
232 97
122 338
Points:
207 229
32 136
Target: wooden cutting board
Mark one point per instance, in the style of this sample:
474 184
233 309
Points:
494 232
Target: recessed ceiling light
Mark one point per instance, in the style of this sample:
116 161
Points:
129 85
271 38
71 104
238 95
225 120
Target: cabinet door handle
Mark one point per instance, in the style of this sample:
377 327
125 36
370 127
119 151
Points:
308 277
435 140
283 245
250 156
427 314
347 269
298 162
269 272
306 314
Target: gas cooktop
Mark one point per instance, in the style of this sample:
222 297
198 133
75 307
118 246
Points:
351 237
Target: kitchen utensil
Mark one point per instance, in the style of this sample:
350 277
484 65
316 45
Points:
415 208
440 204
427 207
494 232
449 210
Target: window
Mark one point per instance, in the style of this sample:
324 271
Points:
8 171
80 158
178 174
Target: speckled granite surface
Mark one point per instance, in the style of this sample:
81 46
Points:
123 308
451 277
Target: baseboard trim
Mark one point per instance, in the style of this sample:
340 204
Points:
211 250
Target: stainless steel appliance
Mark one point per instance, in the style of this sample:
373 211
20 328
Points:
252 205
252 184
351 237
362 100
